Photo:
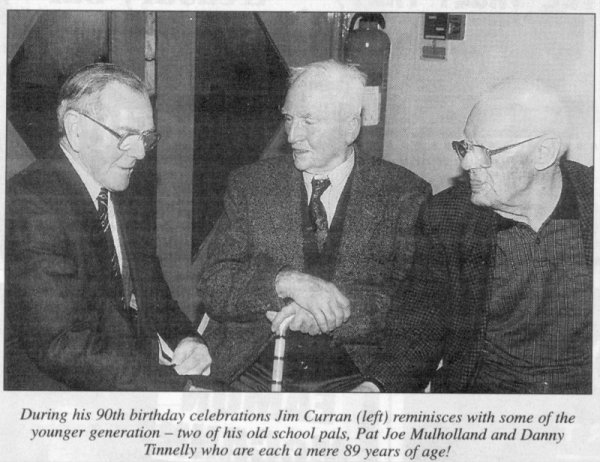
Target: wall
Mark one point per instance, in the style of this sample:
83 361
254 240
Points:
428 101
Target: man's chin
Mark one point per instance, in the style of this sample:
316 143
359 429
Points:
478 198
117 185
300 163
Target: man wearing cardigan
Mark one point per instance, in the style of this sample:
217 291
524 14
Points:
500 297
324 236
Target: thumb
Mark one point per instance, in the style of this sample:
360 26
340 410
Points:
271 315
179 356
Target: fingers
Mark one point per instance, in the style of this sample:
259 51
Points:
333 306
302 320
305 322
297 323
271 315
326 298
193 366
277 318
344 304
322 299
196 363
191 357
366 387
324 322
309 325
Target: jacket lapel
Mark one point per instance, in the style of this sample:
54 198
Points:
72 193
364 212
282 204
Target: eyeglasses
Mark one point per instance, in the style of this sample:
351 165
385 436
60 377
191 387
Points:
463 147
149 138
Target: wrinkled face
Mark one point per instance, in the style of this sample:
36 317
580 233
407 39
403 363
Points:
503 186
318 129
123 110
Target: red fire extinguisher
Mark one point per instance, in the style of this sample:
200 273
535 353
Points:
368 48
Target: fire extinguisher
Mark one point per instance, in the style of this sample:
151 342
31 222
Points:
368 48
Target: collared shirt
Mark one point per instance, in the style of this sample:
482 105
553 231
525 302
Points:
539 318
331 196
93 188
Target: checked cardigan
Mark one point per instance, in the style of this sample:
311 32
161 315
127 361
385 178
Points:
440 313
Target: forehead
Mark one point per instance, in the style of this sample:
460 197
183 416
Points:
496 120
310 96
122 103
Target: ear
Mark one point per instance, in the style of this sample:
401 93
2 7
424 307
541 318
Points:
71 122
547 153
353 125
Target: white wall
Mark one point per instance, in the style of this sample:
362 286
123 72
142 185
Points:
428 101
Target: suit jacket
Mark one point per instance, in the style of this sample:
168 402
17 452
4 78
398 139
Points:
441 313
260 232
64 328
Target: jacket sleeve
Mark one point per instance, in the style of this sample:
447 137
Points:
67 325
165 314
415 325
235 283
371 295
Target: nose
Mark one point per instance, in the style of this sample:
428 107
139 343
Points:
295 131
473 159
137 150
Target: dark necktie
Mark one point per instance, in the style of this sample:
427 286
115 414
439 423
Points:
316 210
115 271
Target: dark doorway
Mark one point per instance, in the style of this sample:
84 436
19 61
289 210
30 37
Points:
58 43
241 81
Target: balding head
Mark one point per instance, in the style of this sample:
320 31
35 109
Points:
516 110
516 135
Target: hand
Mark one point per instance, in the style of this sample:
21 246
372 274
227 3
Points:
322 299
366 387
191 357
302 320
194 388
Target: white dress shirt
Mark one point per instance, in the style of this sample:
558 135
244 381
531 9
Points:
338 178
93 188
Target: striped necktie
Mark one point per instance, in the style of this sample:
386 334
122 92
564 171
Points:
316 210
103 214
115 271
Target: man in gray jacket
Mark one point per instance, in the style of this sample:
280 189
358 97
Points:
325 236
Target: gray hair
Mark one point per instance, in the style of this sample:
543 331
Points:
347 79
82 89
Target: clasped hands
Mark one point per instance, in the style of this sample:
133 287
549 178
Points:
318 306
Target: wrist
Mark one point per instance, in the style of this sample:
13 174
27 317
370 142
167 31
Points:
283 283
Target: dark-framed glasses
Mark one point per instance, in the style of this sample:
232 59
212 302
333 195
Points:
463 147
149 138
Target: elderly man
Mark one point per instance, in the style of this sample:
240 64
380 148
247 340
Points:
501 290
323 236
86 302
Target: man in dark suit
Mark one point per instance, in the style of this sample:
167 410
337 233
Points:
500 297
87 306
324 236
